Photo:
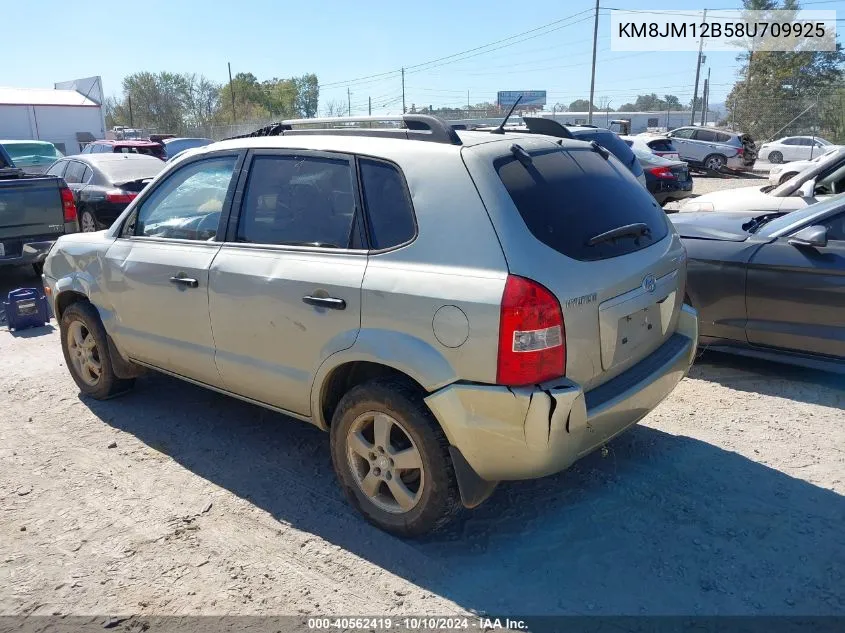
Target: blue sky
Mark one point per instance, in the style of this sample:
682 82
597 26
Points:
340 41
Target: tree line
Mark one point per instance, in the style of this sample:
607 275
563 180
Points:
179 102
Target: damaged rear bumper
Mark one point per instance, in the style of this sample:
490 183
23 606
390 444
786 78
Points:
522 433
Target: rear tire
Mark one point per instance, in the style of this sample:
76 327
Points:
87 222
776 158
86 350
376 427
715 162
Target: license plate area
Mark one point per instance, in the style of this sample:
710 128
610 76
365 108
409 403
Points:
636 322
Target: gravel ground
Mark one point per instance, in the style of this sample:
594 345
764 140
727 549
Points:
727 499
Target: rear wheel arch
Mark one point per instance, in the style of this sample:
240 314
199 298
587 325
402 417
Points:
343 378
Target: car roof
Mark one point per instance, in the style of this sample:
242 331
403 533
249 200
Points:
127 142
20 141
96 159
185 138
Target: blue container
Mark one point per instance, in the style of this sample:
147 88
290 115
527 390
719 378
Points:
25 308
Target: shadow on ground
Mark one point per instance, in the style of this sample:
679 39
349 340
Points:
664 525
771 378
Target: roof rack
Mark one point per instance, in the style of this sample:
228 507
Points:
419 127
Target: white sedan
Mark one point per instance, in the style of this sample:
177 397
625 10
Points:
793 148
657 145
781 173
818 182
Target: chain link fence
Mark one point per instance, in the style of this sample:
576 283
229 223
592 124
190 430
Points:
767 117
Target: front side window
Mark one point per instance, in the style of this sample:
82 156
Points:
188 203
298 201
388 204
836 228
683 133
87 149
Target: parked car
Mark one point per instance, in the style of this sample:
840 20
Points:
770 285
173 146
104 184
794 148
779 174
341 289
150 148
33 157
666 180
818 182
714 149
34 212
657 145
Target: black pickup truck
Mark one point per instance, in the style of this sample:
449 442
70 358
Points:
34 212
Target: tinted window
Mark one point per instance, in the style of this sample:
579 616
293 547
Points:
706 135
75 171
388 204
58 168
661 145
683 133
122 171
567 198
299 201
836 227
188 204
86 176
721 137
25 150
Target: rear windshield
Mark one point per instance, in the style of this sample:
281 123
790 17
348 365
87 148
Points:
121 171
147 150
567 198
661 145
20 151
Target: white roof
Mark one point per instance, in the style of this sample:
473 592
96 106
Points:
43 96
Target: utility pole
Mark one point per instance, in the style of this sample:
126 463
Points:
403 91
697 72
593 74
705 99
348 102
468 106
129 98
370 106
232 90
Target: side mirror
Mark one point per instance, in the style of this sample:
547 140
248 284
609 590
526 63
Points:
810 236
808 188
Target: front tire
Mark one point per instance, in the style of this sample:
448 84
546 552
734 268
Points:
86 352
715 162
87 222
776 158
392 458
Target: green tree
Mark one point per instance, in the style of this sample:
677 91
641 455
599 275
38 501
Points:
581 105
307 95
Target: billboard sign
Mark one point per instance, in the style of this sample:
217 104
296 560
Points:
530 98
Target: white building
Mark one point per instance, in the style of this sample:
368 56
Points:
69 116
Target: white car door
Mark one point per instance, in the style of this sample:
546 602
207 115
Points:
682 140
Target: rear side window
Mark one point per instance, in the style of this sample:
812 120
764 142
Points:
298 201
388 204
58 168
75 171
567 199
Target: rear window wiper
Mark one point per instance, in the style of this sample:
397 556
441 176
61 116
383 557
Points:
640 229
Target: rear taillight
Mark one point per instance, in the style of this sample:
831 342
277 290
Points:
120 197
532 343
68 205
740 151
661 172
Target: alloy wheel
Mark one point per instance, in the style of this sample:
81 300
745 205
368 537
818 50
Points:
84 354
385 462
89 225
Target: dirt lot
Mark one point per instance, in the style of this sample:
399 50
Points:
727 499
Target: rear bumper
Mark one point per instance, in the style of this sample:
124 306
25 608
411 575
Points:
524 433
30 253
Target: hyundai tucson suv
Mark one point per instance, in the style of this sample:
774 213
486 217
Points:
456 310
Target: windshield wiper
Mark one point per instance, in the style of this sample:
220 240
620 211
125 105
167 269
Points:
637 230
756 222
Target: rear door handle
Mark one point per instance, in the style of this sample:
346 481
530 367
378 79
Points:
332 303
185 281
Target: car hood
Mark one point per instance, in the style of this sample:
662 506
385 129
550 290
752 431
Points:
744 199
726 227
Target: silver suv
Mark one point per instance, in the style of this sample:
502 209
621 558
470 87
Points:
455 309
714 149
